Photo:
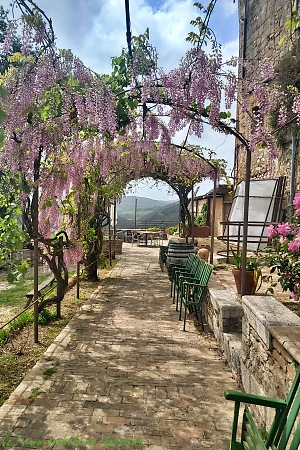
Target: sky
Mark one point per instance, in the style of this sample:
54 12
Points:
95 31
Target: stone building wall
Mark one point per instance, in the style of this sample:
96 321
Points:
259 36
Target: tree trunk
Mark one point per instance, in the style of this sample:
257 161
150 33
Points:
185 214
93 253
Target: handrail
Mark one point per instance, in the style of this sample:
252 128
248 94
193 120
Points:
15 317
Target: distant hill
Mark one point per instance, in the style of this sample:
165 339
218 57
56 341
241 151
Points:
149 212
144 206
168 214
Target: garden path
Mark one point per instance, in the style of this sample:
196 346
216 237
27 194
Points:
124 369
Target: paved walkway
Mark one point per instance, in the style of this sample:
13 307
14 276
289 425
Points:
124 369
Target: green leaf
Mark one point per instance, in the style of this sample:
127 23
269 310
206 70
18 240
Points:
3 115
282 40
2 138
224 115
3 92
290 24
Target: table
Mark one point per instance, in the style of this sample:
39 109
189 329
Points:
153 236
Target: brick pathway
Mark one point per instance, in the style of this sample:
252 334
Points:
124 369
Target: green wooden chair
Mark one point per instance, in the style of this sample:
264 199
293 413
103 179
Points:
279 436
193 294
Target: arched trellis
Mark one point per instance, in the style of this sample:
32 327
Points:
213 171
221 125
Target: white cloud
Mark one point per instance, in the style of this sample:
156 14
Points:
228 7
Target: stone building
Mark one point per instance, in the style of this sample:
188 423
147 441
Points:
223 204
262 26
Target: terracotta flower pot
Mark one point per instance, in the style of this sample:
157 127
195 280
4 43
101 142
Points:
250 282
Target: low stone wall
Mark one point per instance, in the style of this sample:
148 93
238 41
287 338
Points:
115 244
224 316
260 339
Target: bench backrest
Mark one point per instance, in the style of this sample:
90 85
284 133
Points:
205 274
281 428
296 440
194 266
190 262
198 268
287 430
251 437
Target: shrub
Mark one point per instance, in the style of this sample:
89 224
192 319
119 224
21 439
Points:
26 318
172 230
283 255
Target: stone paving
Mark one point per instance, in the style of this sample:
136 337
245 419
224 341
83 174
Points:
123 369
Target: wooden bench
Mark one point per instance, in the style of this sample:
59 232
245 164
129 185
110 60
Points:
279 436
48 283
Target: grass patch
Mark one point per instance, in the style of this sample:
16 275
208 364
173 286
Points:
16 294
34 393
51 370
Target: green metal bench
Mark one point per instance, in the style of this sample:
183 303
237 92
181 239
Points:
193 276
178 269
192 293
280 435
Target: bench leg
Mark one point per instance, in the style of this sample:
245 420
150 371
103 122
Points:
180 310
184 319
199 315
177 299
28 301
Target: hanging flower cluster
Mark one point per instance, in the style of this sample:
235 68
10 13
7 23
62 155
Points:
190 94
283 255
57 112
202 86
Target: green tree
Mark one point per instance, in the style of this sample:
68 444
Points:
12 235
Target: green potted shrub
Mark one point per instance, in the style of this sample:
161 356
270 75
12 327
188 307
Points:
253 272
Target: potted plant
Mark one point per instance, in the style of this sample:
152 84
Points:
253 273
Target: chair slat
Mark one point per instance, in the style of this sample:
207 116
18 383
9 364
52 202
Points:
280 435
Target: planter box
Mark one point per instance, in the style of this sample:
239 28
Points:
201 231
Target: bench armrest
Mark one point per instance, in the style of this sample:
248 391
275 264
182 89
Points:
194 284
253 399
187 276
180 270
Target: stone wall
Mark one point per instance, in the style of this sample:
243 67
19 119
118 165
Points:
260 339
262 25
116 245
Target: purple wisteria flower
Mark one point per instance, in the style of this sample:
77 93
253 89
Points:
294 296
